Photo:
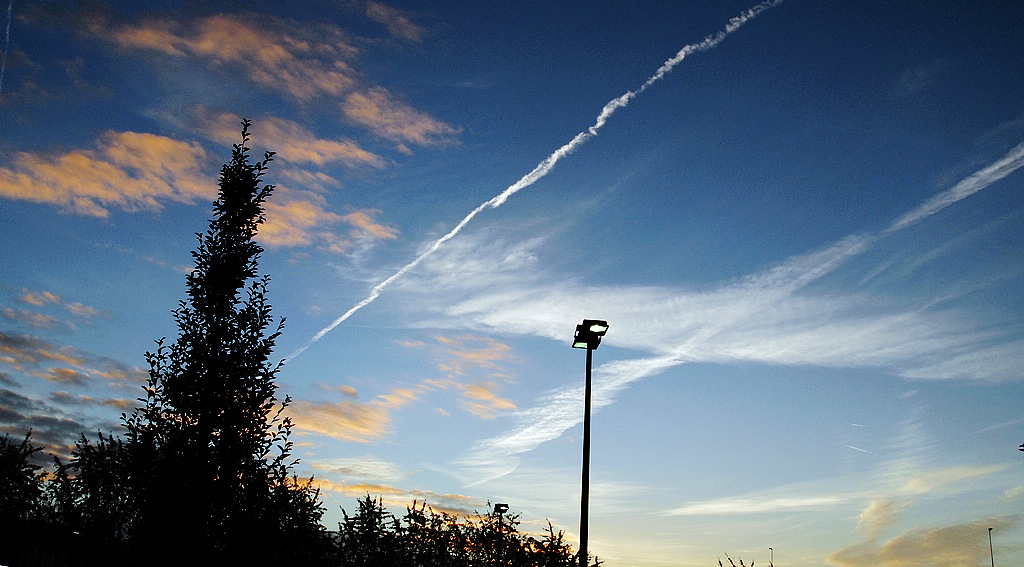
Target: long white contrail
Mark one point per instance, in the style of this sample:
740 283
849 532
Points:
549 162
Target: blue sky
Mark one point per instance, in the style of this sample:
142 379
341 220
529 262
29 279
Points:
803 222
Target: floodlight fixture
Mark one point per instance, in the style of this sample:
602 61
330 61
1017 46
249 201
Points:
500 509
588 334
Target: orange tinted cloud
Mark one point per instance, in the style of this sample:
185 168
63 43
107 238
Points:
396 22
364 225
947 546
388 117
37 298
466 352
455 504
129 171
483 401
81 310
292 142
301 218
40 298
295 218
63 355
350 420
64 376
304 62
38 320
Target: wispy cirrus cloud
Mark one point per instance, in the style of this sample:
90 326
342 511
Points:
366 467
128 171
884 498
770 318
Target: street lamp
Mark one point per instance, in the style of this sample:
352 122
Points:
588 335
771 557
991 555
500 509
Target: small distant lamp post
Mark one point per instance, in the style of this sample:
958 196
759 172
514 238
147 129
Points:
588 335
991 555
771 557
500 509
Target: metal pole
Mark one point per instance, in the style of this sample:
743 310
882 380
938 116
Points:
771 557
991 555
585 500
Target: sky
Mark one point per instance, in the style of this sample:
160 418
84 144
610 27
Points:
802 220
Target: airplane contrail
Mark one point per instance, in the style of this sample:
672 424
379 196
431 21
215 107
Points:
549 162
979 180
7 44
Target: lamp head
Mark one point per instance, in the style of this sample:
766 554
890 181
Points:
588 333
500 508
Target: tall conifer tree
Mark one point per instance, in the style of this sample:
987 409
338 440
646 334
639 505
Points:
210 450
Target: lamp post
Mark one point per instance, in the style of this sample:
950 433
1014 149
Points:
771 557
991 555
500 509
588 335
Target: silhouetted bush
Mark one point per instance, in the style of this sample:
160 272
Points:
372 536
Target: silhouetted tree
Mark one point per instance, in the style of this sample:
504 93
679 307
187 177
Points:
733 563
371 537
31 531
93 497
433 539
20 484
209 452
425 538
551 550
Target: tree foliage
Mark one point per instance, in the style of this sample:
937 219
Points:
20 489
210 450
426 538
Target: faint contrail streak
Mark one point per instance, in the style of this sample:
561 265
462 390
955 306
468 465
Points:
981 179
545 166
7 43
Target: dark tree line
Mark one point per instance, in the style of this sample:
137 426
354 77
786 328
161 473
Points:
373 537
203 472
